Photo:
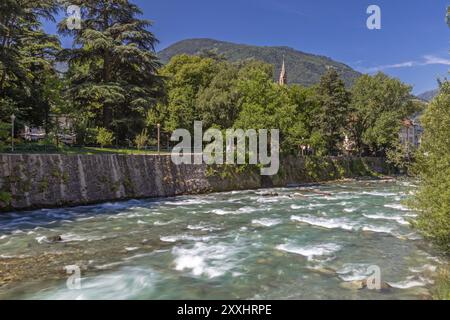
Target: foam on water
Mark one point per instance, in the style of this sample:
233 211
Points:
396 206
184 237
424 268
164 223
127 283
202 228
310 251
411 282
398 219
379 194
204 260
354 271
266 222
297 207
330 223
267 200
377 229
222 212
188 202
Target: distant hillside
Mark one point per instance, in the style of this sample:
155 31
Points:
302 68
429 95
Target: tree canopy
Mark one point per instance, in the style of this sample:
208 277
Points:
113 77
379 104
27 61
115 84
432 167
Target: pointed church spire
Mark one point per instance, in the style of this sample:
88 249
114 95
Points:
283 75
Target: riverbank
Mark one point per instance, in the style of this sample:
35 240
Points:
32 181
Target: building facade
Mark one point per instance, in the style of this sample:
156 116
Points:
411 132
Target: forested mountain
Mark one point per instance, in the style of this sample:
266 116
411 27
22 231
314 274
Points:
429 95
303 68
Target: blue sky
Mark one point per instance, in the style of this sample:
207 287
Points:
413 43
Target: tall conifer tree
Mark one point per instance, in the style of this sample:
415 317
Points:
334 109
27 57
113 65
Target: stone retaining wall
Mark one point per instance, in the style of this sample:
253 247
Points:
40 181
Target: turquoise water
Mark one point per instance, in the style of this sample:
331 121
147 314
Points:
293 243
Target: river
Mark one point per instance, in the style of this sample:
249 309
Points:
310 242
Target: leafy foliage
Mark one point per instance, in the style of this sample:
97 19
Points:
186 76
141 139
433 169
332 118
104 137
379 104
4 133
218 103
27 56
113 67
115 81
241 95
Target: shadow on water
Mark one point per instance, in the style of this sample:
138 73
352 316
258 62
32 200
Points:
29 220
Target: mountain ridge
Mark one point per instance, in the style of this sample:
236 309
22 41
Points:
302 68
428 95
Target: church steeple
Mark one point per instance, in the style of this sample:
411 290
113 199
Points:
283 75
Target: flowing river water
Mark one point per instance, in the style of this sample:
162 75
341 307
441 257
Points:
310 242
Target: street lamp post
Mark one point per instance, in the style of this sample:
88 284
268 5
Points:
13 118
159 139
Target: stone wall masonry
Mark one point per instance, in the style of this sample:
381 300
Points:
31 181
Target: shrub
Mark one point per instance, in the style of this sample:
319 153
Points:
141 139
104 137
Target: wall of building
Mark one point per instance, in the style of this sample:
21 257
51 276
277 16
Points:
41 181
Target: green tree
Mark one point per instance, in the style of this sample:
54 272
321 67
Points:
19 23
303 131
266 105
379 104
240 95
27 57
218 103
433 169
45 84
333 117
260 97
185 77
113 65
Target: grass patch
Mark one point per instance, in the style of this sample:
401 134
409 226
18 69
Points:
51 149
